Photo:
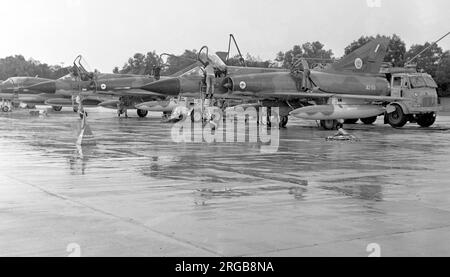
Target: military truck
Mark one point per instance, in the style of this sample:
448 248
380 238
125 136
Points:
418 92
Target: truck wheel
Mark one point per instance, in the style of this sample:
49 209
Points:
328 124
5 109
397 119
283 122
351 121
426 120
57 108
369 120
141 113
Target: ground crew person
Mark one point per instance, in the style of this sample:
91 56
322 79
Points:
210 78
121 109
157 72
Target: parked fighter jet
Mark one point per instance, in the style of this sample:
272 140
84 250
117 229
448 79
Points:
351 88
14 88
36 91
356 87
116 91
56 93
190 83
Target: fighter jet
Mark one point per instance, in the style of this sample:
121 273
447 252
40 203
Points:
351 88
34 91
116 91
56 93
190 82
14 88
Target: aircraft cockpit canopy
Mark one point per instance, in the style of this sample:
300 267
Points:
195 72
214 60
68 77
82 69
8 81
14 81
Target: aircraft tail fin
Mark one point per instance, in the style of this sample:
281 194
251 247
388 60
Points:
366 59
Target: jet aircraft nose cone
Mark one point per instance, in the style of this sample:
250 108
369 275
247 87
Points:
44 87
169 86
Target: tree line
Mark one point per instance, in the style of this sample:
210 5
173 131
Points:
17 65
434 61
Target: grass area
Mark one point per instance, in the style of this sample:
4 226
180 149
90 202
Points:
445 103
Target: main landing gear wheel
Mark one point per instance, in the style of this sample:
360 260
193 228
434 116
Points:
283 121
369 120
397 119
426 120
57 108
196 115
329 124
351 121
142 113
83 114
268 116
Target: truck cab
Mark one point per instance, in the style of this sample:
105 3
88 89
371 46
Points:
420 102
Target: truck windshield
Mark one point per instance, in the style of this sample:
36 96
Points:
417 82
430 82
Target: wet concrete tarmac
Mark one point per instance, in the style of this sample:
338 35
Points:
138 193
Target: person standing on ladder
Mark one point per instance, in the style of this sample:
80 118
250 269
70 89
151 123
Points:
210 79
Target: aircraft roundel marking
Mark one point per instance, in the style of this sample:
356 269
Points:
358 63
103 86
242 85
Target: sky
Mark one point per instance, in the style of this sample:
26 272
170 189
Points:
108 32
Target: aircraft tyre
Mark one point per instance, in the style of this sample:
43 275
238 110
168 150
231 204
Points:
351 121
268 118
141 113
196 115
82 114
369 120
57 108
397 119
283 122
426 120
329 124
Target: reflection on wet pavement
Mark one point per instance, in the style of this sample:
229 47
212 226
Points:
153 196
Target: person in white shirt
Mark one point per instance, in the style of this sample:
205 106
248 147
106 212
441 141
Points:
210 78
